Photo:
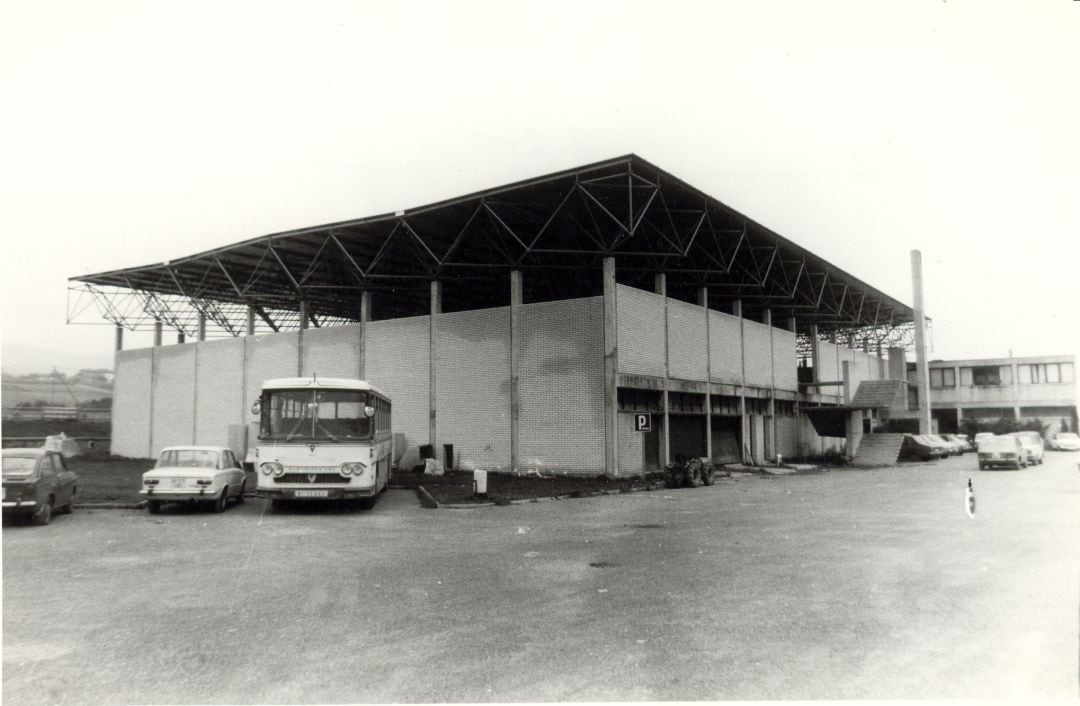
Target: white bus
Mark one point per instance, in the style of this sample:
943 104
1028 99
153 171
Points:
322 438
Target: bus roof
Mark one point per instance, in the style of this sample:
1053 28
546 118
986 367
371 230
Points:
306 383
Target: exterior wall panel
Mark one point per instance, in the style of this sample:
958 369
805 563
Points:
562 386
785 360
332 352
829 365
725 347
173 396
631 446
641 331
758 354
131 404
787 436
398 364
219 401
687 353
472 388
267 357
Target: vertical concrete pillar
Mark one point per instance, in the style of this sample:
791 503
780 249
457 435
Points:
815 354
365 319
847 381
854 432
703 302
157 333
118 337
744 422
791 324
611 370
517 298
251 321
436 309
660 284
202 327
305 314
770 423
922 369
897 363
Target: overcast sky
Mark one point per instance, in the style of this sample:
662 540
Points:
142 132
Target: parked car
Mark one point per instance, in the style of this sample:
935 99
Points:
1002 451
952 448
980 437
917 447
194 474
1065 441
37 481
1033 444
963 440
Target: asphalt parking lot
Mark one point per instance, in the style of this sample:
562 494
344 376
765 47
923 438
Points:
865 584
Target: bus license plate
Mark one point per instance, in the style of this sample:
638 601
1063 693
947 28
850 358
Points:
310 493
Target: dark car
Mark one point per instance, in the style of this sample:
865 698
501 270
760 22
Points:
36 482
916 447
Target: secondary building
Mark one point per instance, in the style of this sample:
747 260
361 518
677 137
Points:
604 319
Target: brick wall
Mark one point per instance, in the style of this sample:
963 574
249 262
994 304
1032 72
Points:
631 446
641 331
472 351
173 396
332 352
131 404
785 360
725 347
686 341
220 398
397 364
758 354
562 386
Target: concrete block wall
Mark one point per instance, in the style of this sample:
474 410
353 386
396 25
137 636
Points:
397 363
784 360
131 403
687 344
219 399
641 331
829 365
631 446
173 397
787 436
472 374
265 357
562 386
758 350
332 352
725 348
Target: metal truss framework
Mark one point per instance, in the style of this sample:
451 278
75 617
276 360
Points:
557 229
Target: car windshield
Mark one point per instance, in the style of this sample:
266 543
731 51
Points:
19 465
188 458
334 415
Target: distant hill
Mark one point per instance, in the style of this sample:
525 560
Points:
22 359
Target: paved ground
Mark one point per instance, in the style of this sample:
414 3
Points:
847 584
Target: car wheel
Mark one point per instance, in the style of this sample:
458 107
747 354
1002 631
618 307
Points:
220 502
44 514
70 507
153 506
240 495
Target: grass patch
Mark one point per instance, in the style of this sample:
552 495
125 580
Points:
456 487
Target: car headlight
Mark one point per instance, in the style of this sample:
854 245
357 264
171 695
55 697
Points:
271 468
352 468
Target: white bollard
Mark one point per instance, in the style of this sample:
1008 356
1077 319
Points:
479 482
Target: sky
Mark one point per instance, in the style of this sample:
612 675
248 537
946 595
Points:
136 133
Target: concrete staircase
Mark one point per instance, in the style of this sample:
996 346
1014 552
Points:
878 450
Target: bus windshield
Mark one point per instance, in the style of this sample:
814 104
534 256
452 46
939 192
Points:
323 415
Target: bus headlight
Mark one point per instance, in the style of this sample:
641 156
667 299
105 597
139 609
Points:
271 467
356 469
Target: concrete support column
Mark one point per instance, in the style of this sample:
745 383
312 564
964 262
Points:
611 370
815 354
660 284
118 338
517 298
365 319
305 314
744 421
847 381
791 324
157 333
898 364
436 309
922 369
703 302
854 431
202 327
770 423
251 321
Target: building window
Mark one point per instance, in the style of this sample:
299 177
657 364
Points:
987 375
1027 374
942 377
966 377
935 377
1053 372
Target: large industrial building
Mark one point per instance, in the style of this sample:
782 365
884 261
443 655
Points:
603 319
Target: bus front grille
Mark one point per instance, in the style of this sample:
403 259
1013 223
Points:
305 478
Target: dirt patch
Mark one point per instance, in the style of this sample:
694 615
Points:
456 487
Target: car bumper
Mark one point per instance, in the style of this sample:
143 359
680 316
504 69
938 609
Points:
20 505
181 494
315 493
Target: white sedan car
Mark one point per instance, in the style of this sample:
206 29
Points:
1065 441
203 474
